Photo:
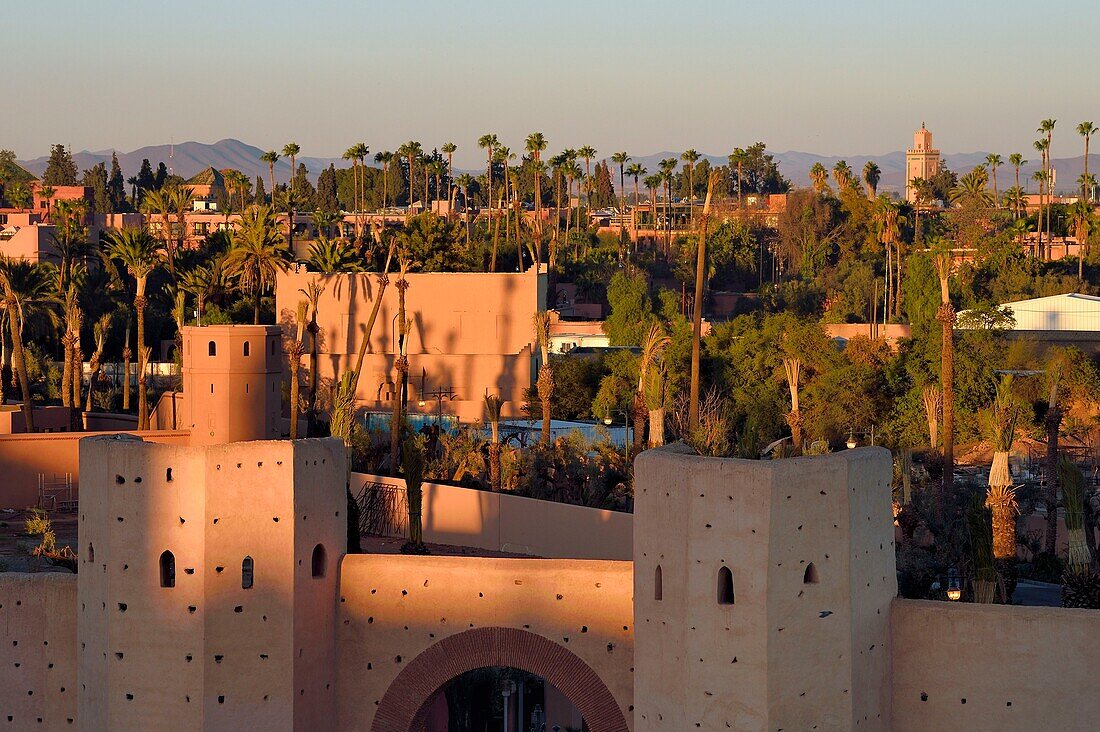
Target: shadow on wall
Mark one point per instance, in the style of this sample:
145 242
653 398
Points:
508 523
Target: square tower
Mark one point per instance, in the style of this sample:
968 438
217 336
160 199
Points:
207 585
232 379
921 161
762 591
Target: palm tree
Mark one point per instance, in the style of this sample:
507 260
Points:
159 202
737 159
573 173
635 171
1086 130
492 413
653 184
545 383
257 255
1001 497
922 194
653 345
411 151
271 157
944 262
294 349
489 143
412 465
994 161
1040 176
352 154
668 168
621 159
586 153
23 285
1058 362
843 175
690 157
313 291
1016 160
819 178
463 182
384 159
100 331
1047 127
1014 198
697 309
202 282
888 219
401 364
333 256
448 149
290 150
971 189
871 176
140 254
536 143
1082 219
47 192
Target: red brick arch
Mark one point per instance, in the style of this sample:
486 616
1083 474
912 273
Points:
404 705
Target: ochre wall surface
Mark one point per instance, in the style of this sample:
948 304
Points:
994 667
470 331
209 651
508 523
24 456
38 651
394 608
765 521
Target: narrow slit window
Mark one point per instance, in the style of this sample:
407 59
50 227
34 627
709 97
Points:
247 573
318 561
91 553
658 584
810 577
167 569
211 349
725 586
247 347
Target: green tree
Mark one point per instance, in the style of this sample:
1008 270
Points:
290 150
270 157
60 169
994 161
871 176
1086 130
140 254
631 309
257 255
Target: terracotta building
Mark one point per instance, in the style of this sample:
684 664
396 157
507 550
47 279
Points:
471 333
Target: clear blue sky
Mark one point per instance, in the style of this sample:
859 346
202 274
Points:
814 75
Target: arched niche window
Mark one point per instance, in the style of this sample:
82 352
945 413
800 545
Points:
658 584
91 552
167 569
247 348
318 561
810 577
725 586
211 349
247 573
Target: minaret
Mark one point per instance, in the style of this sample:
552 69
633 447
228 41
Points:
921 161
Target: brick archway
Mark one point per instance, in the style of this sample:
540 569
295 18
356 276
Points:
403 706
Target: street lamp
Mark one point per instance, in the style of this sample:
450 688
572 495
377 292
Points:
851 443
954 590
608 420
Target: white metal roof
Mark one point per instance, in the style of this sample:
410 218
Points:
1072 311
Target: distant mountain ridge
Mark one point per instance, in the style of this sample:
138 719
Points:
188 159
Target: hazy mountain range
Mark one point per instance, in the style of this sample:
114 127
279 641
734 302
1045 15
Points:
189 158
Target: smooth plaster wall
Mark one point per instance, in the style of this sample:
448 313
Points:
208 651
509 523
392 608
470 331
757 663
994 667
38 651
24 456
235 394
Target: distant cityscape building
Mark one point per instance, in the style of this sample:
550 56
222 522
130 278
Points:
921 161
